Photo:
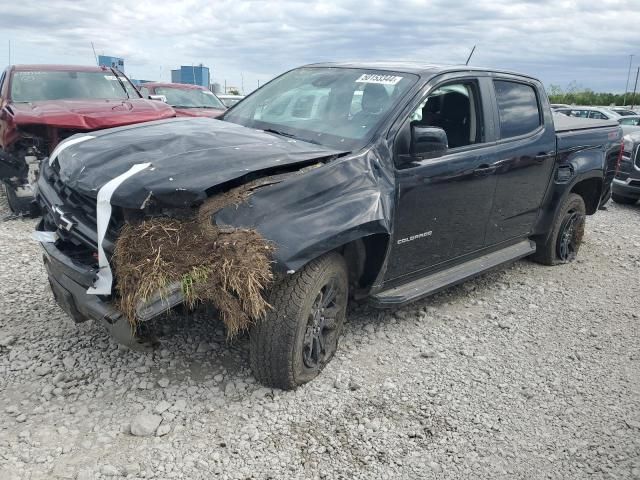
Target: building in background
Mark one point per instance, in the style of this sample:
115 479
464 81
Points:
114 62
215 88
192 74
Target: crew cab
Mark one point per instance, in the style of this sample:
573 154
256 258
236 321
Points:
41 105
186 100
381 181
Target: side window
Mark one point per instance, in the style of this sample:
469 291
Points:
517 107
144 91
598 115
456 109
2 82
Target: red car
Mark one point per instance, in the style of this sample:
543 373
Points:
41 105
186 100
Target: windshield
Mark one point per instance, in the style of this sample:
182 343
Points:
189 97
39 86
338 107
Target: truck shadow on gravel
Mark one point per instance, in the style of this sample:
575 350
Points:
194 349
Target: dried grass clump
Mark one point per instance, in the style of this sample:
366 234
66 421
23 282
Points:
228 267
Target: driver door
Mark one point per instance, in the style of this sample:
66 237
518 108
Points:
444 203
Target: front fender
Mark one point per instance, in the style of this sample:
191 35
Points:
311 213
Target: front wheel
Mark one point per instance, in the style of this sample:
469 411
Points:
19 206
300 333
566 235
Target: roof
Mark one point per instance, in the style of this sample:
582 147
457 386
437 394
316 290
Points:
58 68
422 69
183 86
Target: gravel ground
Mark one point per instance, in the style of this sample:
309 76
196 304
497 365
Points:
532 372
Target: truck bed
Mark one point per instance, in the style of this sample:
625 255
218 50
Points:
564 123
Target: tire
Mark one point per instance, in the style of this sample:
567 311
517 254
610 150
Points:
19 206
12 199
566 234
623 200
295 341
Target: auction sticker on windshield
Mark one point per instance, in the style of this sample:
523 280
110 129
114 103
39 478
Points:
380 79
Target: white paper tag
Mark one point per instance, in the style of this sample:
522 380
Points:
379 79
110 77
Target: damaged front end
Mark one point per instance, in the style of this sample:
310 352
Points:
156 259
183 215
20 163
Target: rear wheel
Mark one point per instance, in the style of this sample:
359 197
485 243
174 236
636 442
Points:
300 334
623 200
566 236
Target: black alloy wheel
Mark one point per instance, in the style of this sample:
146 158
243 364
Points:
570 236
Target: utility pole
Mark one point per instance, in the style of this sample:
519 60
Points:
633 98
258 83
624 100
9 52
242 83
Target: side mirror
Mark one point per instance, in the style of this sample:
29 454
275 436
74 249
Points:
161 98
428 142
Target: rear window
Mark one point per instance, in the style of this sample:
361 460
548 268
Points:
518 108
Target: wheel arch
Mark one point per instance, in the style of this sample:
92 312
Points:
590 189
365 258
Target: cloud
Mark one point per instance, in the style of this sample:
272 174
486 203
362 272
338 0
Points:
559 41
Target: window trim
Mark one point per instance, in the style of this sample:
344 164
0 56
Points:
485 115
541 126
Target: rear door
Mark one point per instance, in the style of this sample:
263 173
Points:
524 154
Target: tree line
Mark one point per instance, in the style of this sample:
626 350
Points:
575 94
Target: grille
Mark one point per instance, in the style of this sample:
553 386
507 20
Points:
82 210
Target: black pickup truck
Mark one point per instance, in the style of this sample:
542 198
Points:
381 181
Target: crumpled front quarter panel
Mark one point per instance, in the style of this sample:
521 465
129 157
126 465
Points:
314 212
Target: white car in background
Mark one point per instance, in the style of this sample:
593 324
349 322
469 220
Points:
230 100
599 113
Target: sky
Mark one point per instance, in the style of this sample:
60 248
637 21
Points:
249 42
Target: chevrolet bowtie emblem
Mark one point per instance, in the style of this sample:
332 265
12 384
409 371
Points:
62 221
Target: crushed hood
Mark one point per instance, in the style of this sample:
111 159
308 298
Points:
89 114
188 157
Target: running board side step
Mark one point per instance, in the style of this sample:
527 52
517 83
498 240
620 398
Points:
435 282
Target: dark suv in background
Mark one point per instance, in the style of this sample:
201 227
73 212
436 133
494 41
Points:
626 185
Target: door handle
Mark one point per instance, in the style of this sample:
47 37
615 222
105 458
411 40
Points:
485 169
541 157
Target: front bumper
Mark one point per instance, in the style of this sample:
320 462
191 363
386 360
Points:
627 188
69 281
